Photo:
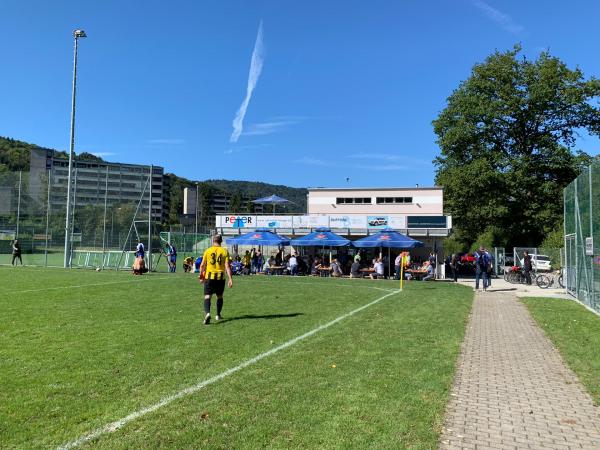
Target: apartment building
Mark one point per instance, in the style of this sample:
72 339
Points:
123 183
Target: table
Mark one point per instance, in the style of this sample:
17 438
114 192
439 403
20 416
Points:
417 274
324 271
276 270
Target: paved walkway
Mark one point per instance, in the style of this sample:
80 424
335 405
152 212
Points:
512 389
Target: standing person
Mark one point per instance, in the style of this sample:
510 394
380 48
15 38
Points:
259 261
16 252
454 267
432 259
481 267
397 263
527 267
172 255
254 260
215 264
490 270
293 264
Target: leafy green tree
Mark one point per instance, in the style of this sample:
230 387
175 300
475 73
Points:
235 203
506 138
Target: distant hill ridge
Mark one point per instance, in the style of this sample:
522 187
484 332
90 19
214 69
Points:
14 156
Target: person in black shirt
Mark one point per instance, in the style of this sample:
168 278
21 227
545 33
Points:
16 252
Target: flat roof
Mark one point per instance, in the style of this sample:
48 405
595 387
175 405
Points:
376 188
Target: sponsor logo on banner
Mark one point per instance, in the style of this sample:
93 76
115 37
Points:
238 221
274 221
347 221
377 221
321 236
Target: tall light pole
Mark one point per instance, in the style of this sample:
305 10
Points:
196 228
76 35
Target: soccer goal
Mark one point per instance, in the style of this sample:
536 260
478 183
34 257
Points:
109 259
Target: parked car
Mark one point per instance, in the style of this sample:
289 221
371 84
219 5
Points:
539 263
378 221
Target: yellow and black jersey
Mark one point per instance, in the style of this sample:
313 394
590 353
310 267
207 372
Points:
216 260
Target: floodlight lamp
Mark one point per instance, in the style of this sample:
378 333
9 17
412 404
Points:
79 34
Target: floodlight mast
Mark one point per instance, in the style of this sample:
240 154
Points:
67 262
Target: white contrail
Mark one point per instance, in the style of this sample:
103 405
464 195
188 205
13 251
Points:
255 68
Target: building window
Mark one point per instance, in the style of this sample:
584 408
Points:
394 200
353 200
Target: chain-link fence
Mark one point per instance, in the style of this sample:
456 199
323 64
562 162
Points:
582 237
110 214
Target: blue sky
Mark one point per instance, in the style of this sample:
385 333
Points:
347 88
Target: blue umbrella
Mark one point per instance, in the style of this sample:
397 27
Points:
261 236
387 238
272 200
321 237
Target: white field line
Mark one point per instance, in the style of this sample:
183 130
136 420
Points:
114 426
83 285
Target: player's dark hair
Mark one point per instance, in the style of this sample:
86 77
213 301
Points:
217 239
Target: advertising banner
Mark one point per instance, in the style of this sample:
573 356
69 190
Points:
397 222
377 222
341 221
236 221
310 222
274 221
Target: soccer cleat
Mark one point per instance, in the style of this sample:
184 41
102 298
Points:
218 318
207 319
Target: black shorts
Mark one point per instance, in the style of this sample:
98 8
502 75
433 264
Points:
214 287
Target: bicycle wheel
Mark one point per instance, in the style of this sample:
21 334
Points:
560 281
543 281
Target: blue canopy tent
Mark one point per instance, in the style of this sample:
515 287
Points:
272 200
321 237
262 236
387 238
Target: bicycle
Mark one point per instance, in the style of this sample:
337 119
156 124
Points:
546 281
515 275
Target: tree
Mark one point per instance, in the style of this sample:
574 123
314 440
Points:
235 203
506 138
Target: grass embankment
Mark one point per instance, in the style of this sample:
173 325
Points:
575 331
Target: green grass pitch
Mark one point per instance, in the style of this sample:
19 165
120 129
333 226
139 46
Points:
81 349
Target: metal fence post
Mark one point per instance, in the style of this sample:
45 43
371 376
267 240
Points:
47 222
18 206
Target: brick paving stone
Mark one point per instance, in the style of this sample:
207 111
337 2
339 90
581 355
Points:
512 388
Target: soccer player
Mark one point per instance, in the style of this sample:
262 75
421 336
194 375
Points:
215 263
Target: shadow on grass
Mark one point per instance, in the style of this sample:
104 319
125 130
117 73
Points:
267 316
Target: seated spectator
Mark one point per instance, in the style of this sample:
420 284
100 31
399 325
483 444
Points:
237 267
314 270
188 264
336 270
197 264
379 270
430 273
355 270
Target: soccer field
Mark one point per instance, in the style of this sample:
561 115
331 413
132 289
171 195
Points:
110 360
